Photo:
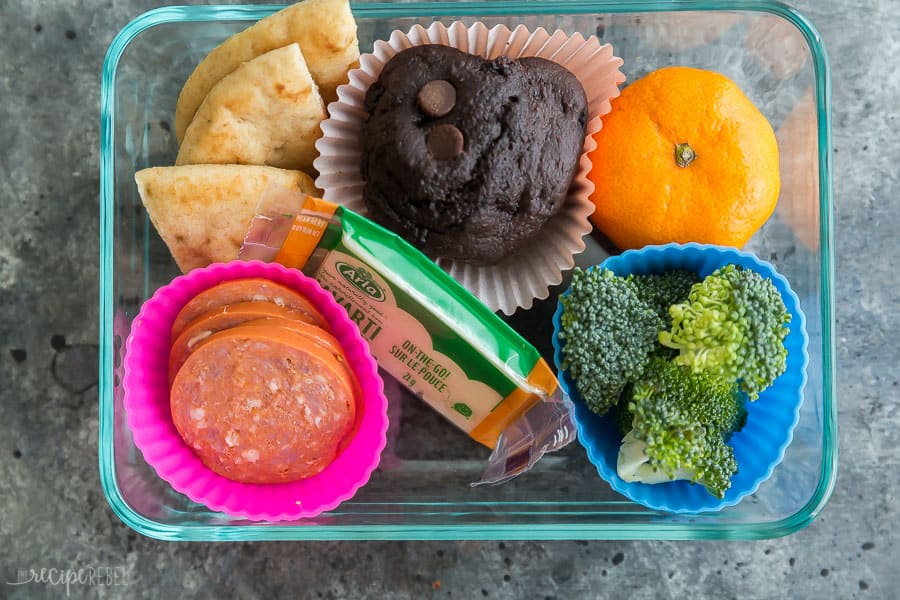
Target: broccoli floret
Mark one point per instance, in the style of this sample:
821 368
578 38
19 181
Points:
681 423
663 290
608 335
733 325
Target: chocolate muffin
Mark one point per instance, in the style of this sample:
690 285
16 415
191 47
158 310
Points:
467 158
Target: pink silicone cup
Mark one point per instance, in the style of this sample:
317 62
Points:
145 382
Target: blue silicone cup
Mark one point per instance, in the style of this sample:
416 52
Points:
771 419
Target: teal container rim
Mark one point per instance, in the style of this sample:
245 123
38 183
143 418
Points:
477 531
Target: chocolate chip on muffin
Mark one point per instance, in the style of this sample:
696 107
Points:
437 98
467 158
444 142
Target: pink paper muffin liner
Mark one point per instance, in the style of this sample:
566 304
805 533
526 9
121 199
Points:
146 386
528 273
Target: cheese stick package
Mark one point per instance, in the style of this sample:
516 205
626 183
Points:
423 328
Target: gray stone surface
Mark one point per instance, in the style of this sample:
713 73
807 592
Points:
52 509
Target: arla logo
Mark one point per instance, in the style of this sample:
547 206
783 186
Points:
361 279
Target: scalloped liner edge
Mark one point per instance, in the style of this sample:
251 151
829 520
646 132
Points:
361 357
346 182
712 504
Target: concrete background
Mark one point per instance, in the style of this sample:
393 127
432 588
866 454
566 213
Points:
52 510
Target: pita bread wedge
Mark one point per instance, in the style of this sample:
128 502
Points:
325 30
202 212
266 112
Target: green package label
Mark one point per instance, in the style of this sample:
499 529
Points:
401 343
423 327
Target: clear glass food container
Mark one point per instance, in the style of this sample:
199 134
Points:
421 490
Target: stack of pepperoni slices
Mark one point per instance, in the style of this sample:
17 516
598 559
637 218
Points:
260 389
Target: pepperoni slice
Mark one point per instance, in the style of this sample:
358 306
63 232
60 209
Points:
262 404
225 317
275 329
323 339
316 334
245 290
191 337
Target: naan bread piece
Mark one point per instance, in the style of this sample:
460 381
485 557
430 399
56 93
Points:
266 112
325 30
203 212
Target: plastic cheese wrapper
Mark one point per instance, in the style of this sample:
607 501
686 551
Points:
423 328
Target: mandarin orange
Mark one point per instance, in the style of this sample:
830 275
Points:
684 156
